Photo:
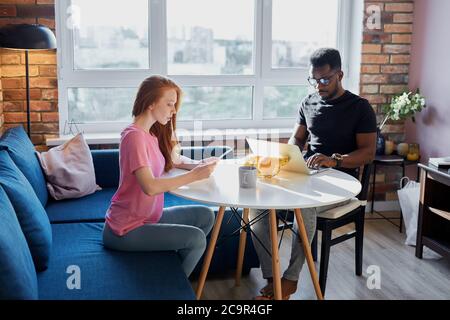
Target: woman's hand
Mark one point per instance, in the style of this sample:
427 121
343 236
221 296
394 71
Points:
153 186
204 170
209 160
189 164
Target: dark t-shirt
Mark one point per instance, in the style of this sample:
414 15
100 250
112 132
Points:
332 125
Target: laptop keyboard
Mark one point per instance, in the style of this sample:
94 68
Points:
316 171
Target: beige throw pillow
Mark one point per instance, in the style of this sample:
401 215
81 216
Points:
69 169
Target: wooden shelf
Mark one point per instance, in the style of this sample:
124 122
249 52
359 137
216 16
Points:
441 213
441 246
434 212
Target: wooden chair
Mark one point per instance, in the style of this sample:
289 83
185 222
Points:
327 221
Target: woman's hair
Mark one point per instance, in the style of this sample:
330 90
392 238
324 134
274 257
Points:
150 91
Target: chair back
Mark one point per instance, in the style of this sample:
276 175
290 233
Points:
365 181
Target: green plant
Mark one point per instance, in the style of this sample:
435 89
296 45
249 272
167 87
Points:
403 106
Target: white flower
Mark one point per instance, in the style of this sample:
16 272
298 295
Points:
404 106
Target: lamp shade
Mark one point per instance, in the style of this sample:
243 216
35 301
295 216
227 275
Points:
27 37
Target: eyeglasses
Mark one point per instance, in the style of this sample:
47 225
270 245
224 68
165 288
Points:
325 81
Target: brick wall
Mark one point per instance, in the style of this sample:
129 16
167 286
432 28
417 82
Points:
384 72
43 80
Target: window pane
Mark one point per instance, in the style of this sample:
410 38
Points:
299 27
199 103
283 101
216 103
111 34
100 104
210 37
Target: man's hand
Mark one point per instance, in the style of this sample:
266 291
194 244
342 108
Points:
319 160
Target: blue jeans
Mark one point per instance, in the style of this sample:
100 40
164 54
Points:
182 229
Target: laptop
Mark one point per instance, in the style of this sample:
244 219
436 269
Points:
274 149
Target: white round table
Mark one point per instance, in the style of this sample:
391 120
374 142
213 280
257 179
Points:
287 190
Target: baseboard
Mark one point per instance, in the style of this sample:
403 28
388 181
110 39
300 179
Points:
383 206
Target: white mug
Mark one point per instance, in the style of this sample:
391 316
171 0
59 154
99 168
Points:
247 177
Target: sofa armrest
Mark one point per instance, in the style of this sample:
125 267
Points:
106 165
199 153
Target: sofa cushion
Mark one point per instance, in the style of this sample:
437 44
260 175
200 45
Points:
17 274
171 200
89 208
69 170
22 151
30 213
106 166
92 208
108 274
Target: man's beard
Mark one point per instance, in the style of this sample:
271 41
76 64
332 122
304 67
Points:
332 95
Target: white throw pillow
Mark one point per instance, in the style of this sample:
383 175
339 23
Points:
69 169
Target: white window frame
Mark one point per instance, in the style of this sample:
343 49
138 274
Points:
349 31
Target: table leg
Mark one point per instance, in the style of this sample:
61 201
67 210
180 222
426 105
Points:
242 242
373 186
276 274
210 252
307 251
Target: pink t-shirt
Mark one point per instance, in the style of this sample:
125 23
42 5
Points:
130 206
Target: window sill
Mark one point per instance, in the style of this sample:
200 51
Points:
186 136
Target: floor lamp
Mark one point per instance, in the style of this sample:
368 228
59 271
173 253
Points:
27 37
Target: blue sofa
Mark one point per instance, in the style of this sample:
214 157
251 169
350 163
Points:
53 249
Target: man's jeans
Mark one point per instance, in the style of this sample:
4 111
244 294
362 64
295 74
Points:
262 231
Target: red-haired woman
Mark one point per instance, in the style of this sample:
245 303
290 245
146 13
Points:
136 219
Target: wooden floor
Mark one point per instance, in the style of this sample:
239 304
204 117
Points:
403 276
